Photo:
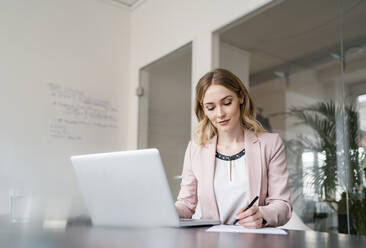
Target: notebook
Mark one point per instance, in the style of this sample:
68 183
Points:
128 188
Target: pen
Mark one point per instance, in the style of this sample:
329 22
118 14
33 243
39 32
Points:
249 206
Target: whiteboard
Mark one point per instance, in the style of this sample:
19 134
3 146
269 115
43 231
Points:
73 112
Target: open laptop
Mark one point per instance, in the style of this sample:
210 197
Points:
128 188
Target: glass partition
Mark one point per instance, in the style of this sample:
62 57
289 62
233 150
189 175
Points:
353 80
307 76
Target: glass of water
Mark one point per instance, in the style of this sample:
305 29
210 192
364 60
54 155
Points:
20 203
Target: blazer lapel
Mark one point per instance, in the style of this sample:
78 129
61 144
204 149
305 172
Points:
253 163
210 158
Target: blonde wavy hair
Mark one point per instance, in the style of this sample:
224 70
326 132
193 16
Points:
205 129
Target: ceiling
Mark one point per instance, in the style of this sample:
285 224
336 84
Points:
298 34
128 3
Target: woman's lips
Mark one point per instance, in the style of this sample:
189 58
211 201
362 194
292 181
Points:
224 122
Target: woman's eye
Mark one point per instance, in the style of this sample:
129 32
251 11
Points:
210 108
227 103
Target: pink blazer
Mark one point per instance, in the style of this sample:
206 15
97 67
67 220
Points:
268 178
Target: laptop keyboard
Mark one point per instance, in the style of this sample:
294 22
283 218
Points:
188 220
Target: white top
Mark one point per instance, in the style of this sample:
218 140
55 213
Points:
231 185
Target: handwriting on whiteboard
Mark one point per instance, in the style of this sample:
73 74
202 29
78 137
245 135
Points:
73 109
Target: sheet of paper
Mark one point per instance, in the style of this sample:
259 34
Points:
241 229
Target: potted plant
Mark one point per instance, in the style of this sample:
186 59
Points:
336 135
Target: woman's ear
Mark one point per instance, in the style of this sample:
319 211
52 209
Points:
241 100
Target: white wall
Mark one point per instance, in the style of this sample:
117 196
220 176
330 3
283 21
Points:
161 26
80 45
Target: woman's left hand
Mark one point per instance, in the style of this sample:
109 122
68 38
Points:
251 218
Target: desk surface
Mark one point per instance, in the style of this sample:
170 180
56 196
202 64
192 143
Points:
94 237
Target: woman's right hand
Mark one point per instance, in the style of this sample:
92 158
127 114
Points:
250 218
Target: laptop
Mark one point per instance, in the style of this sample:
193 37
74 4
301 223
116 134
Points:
128 188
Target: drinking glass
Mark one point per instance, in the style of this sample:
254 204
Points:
20 202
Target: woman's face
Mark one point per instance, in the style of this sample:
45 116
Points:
222 107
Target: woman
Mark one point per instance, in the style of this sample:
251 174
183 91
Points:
233 159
